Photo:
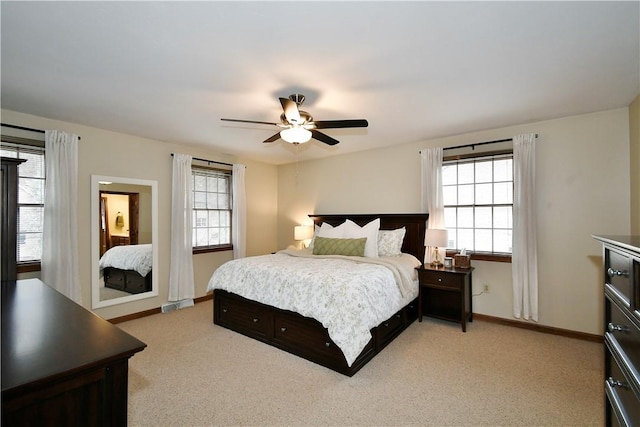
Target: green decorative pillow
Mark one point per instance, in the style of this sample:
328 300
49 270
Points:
329 246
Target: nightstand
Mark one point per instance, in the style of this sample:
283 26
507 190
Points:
445 293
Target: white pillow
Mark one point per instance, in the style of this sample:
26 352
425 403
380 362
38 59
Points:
370 231
327 230
390 242
316 229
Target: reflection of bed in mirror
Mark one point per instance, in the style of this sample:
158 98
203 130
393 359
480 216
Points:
127 268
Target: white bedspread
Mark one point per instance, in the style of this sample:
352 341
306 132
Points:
348 295
129 257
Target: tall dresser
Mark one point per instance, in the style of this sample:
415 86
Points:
621 275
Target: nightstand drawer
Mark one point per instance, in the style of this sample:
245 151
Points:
440 279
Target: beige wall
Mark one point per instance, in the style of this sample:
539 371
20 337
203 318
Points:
102 152
582 189
634 157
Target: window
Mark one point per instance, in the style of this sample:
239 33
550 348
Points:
478 203
31 179
211 209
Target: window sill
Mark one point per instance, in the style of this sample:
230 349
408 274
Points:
27 267
207 249
486 256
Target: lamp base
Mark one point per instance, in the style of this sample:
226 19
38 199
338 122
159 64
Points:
436 263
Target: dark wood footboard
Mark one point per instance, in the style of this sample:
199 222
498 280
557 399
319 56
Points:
303 336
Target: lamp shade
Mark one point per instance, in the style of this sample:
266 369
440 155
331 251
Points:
302 232
436 238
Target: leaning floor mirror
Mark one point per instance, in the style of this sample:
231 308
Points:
124 253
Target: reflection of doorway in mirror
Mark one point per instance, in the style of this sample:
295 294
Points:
119 219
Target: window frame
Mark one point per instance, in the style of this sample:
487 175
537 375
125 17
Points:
224 246
505 257
33 145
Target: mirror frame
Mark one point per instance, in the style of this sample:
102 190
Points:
95 241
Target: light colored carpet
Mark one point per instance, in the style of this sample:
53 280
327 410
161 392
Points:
194 373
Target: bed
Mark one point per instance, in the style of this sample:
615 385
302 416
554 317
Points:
313 336
128 268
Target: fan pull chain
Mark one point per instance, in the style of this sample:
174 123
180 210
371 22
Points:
297 162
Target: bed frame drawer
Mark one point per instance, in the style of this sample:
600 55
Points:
246 316
388 329
114 278
136 284
291 332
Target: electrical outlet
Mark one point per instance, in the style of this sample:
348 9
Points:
485 288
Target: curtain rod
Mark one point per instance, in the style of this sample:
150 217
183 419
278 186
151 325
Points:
474 145
209 161
7 125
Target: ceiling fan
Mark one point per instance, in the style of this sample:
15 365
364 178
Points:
299 127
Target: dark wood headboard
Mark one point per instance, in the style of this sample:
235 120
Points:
416 225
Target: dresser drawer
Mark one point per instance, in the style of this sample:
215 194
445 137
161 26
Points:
440 279
625 404
618 268
250 317
624 332
307 334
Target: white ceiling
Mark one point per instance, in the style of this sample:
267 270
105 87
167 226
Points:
416 70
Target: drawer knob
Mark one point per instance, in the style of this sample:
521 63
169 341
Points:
255 320
283 329
327 344
617 328
439 279
386 324
616 383
611 272
224 310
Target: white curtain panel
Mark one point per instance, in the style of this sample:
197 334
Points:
432 200
524 261
239 209
181 285
59 264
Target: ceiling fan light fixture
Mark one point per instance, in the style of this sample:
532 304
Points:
295 135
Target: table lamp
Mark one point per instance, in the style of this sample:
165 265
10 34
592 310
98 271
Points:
436 238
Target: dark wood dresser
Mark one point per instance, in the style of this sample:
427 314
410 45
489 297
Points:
61 364
621 259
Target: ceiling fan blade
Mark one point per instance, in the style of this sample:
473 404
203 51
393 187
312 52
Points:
273 138
324 137
249 121
291 111
334 124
